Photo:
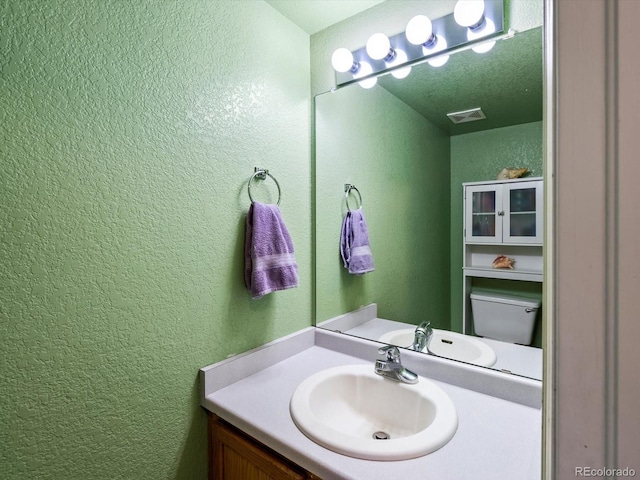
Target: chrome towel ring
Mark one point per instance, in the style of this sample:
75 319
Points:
261 174
347 190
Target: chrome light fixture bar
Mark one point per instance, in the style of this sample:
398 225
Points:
450 37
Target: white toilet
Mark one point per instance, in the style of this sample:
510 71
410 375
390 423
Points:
504 317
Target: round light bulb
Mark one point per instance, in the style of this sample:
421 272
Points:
419 30
365 69
439 61
487 29
439 45
484 47
378 46
342 60
401 57
468 13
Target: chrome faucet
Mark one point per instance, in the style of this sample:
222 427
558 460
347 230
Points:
422 337
392 368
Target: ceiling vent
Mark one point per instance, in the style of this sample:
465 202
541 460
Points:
467 116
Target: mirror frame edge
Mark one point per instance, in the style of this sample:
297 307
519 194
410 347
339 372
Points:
548 304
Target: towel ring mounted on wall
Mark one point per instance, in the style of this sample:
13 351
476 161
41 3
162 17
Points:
261 174
347 190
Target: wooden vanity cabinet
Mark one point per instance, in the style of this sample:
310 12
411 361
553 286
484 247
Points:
234 455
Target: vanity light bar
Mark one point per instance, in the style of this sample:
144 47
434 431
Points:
446 27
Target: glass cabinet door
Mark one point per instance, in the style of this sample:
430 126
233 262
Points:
523 213
482 207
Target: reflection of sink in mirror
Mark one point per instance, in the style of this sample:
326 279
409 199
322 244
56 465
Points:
511 358
447 344
352 411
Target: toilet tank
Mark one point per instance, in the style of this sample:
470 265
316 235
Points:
504 317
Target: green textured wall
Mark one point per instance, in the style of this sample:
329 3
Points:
400 164
478 157
129 130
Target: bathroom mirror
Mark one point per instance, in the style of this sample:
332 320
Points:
408 160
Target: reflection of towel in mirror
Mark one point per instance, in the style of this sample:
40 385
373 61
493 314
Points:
354 243
270 264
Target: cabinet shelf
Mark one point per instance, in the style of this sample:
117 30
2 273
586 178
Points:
505 245
515 274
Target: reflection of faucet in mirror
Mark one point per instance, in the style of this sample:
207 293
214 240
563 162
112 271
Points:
422 338
392 368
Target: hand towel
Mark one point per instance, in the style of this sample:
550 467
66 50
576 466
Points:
270 264
354 244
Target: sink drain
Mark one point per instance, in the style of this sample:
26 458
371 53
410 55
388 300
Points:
381 436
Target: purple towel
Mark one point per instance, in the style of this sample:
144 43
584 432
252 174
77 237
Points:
270 264
354 244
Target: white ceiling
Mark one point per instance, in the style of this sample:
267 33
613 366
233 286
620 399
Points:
315 15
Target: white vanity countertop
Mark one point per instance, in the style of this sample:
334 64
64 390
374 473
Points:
496 438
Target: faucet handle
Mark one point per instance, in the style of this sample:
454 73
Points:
392 353
423 326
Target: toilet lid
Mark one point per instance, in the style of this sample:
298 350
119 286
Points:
508 299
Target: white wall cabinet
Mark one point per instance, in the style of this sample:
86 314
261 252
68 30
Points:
502 218
508 212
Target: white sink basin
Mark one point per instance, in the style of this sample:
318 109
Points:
447 344
342 408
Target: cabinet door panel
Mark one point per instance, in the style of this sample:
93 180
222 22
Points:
522 199
483 225
235 456
523 225
523 213
482 208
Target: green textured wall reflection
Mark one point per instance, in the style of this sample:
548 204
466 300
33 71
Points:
129 130
397 167
400 163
